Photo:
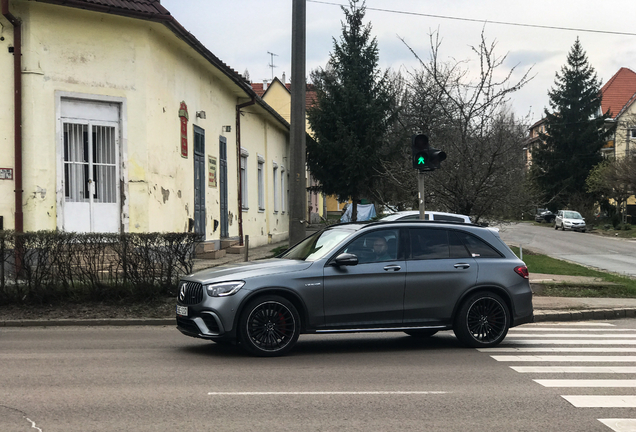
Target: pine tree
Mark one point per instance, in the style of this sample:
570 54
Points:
349 118
574 133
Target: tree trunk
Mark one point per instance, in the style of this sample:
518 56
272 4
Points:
354 209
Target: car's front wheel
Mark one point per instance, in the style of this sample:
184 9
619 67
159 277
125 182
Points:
482 321
269 326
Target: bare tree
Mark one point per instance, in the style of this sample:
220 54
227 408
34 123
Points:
470 120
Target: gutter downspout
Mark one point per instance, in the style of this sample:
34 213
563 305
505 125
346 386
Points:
17 110
238 165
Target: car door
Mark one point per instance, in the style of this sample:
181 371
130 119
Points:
439 269
371 293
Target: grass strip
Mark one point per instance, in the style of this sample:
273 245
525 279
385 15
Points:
624 287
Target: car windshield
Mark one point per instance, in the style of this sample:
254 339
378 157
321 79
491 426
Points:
317 246
572 215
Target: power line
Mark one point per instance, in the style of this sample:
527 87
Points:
482 21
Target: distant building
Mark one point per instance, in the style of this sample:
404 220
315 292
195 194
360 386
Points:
619 94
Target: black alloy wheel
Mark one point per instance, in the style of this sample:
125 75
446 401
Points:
269 326
482 321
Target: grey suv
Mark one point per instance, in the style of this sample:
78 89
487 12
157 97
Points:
412 276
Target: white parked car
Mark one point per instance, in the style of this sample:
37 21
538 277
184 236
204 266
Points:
569 220
432 215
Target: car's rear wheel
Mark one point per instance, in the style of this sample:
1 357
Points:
420 333
269 326
482 321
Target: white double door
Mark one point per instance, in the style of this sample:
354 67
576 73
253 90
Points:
91 176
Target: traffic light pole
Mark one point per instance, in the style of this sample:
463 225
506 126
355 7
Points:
420 189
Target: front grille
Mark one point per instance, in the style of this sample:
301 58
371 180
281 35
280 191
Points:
188 325
191 293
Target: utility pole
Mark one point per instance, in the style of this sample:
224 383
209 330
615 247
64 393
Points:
420 190
297 186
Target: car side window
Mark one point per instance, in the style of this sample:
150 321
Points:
427 243
448 218
477 247
376 246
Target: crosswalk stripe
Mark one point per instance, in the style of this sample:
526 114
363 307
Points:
607 383
531 329
620 425
575 369
555 339
575 335
561 349
513 341
557 358
601 401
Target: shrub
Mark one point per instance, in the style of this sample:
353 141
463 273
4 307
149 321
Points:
50 266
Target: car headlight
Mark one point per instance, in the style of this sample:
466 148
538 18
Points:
223 289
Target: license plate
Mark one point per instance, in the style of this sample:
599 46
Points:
182 310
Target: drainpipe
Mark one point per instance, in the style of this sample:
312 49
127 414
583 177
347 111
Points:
17 110
238 164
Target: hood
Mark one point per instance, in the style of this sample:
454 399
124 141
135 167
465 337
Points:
573 220
249 270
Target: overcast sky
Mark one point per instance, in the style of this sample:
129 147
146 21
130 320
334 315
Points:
242 32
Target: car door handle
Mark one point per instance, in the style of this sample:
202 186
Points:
462 265
393 267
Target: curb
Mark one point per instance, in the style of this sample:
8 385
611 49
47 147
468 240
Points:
91 322
584 315
539 316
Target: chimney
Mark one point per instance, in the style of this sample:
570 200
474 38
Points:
264 85
283 78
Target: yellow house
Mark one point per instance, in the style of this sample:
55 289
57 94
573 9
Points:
123 121
277 95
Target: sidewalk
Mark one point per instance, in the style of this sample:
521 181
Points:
545 308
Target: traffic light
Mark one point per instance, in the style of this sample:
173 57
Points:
419 152
435 157
424 157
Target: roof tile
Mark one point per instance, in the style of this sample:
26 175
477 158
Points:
618 93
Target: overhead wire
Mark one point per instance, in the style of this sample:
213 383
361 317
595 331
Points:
482 21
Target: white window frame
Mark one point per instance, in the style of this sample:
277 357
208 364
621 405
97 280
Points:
261 183
276 185
244 202
632 133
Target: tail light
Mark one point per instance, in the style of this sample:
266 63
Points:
522 271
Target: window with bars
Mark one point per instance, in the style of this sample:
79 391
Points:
276 186
90 163
261 185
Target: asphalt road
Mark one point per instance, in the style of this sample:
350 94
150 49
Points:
155 379
605 253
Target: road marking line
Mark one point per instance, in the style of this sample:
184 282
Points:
620 425
562 349
556 358
527 329
586 383
568 342
576 335
575 369
601 401
568 324
319 393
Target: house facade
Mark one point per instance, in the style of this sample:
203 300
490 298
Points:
619 95
126 123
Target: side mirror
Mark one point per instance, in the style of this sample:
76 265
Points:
346 259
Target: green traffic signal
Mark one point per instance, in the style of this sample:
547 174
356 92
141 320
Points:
421 161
